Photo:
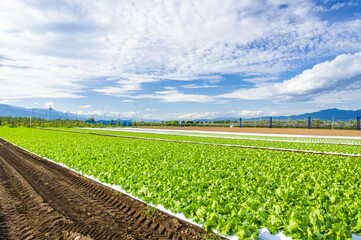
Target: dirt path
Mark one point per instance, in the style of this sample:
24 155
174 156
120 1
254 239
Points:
42 200
295 131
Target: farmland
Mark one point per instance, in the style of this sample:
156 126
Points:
40 199
235 191
339 146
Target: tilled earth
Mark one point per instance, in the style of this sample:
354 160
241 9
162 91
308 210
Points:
42 200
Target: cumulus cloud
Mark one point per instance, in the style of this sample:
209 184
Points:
125 115
204 115
49 105
246 113
176 96
101 114
172 95
128 85
341 74
59 49
86 106
8 101
196 86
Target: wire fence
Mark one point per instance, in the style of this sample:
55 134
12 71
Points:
350 124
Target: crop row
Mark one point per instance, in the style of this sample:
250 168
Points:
316 147
314 139
235 191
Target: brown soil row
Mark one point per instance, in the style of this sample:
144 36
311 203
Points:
295 131
42 200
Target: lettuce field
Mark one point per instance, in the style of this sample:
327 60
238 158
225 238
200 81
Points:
235 191
335 147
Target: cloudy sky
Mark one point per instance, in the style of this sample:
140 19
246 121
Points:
181 59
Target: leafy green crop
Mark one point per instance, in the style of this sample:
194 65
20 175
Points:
235 191
317 147
314 139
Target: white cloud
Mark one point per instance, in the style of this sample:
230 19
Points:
128 85
192 116
338 6
48 105
86 106
181 116
169 96
127 100
170 88
95 112
246 113
258 79
129 114
341 74
125 115
57 49
196 86
8 101
204 115
101 114
90 113
320 105
342 96
176 96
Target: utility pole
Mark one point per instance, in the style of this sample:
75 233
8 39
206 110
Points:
270 122
50 108
309 122
32 115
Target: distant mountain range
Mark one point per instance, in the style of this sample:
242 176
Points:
327 115
44 113
14 111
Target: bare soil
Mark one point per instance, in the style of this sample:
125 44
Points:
293 131
42 200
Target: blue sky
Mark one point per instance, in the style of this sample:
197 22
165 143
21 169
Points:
181 60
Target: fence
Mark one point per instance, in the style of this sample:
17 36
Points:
307 123
351 124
